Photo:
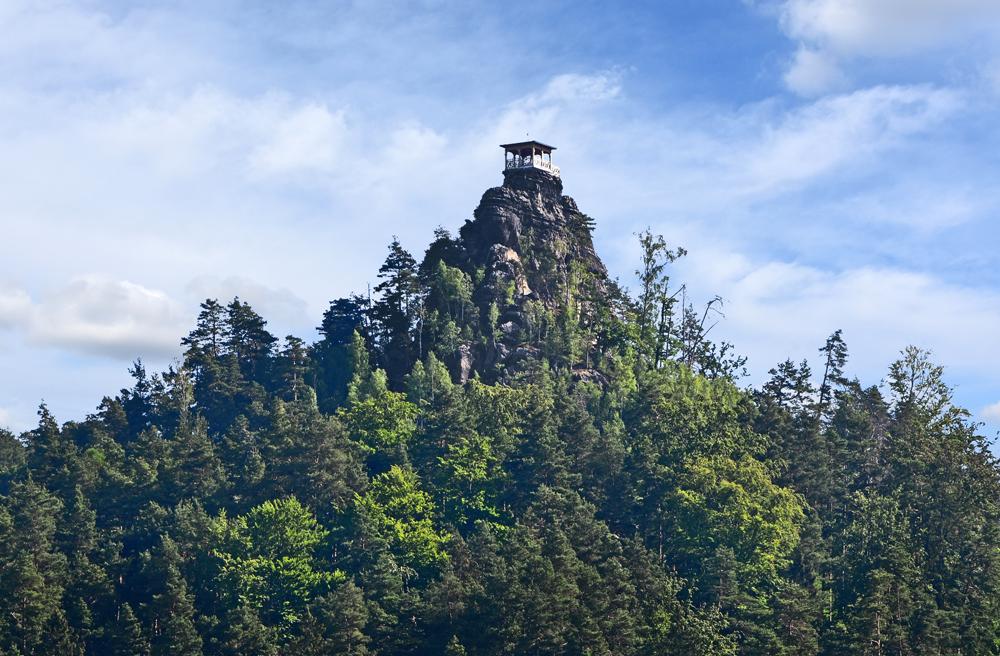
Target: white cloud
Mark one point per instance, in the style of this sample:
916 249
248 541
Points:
777 309
991 412
62 46
15 305
279 305
930 207
888 27
210 130
573 87
717 159
813 73
832 33
412 143
307 140
834 131
99 316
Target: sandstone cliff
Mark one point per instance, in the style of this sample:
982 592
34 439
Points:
532 255
527 231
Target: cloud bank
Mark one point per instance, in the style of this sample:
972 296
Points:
834 33
98 316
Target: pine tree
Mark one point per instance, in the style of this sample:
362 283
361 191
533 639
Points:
243 461
835 357
172 607
13 456
335 624
205 342
293 368
88 590
32 571
247 340
127 637
52 454
454 648
395 312
193 469
243 633
337 358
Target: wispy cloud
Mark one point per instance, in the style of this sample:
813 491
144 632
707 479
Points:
279 305
888 27
813 72
777 309
991 412
835 131
308 140
835 33
15 305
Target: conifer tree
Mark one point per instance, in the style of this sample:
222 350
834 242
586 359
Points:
172 608
52 453
32 571
12 455
293 368
336 354
395 312
127 638
243 633
335 624
247 340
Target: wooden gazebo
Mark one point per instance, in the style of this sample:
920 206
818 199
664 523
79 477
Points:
529 155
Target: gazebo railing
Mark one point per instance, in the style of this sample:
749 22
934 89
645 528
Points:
529 162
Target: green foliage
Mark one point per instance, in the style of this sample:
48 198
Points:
32 571
172 607
379 422
487 471
12 454
341 353
334 624
396 510
721 501
428 382
272 562
655 305
245 634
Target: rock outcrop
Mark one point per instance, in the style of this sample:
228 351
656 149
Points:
532 252
529 234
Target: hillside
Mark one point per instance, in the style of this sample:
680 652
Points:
502 451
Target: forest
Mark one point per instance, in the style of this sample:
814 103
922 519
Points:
502 451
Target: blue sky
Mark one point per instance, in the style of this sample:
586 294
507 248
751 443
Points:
827 163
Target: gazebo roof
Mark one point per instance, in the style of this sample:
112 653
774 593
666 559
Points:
528 144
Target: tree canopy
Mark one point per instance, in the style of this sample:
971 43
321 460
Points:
461 465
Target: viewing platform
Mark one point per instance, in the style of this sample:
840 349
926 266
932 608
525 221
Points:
529 155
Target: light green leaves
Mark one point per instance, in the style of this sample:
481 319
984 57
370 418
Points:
398 511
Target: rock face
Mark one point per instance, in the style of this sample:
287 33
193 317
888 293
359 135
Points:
528 234
532 250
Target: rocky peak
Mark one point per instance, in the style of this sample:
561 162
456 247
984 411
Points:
526 233
531 256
